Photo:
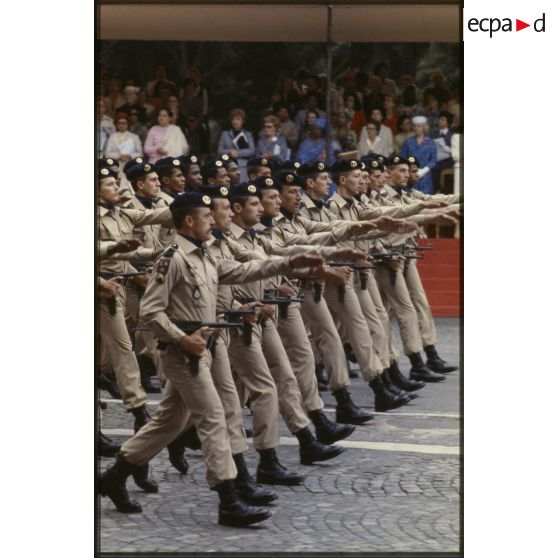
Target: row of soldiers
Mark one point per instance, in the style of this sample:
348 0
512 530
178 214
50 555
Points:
252 295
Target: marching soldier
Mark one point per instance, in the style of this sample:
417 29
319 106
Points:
183 289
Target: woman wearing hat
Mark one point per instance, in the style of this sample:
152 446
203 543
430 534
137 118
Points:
165 139
422 148
272 145
123 145
313 148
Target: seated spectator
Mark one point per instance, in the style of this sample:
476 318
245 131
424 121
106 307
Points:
405 127
136 126
194 74
353 111
437 86
409 105
314 148
123 145
289 96
375 96
271 145
193 134
311 104
304 131
390 113
372 143
237 142
342 133
454 105
431 109
165 139
177 117
377 115
148 107
114 98
190 103
442 137
131 98
154 87
105 127
287 128
423 149
388 85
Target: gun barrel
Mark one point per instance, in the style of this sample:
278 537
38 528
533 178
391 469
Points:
187 326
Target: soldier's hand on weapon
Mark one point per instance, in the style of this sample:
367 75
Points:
194 344
286 290
305 260
350 255
124 245
141 280
396 265
108 288
432 204
217 332
362 227
337 275
250 318
267 311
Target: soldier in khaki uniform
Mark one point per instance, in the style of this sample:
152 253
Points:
233 170
184 287
116 224
259 166
192 172
215 173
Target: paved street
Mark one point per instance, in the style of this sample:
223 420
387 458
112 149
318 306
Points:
395 488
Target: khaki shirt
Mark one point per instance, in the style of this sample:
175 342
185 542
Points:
189 286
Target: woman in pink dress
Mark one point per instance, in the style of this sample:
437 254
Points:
165 139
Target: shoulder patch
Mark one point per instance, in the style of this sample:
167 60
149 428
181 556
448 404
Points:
163 264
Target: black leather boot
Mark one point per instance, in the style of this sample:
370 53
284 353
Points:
147 368
329 432
107 447
191 439
350 356
113 484
346 411
142 417
270 471
434 362
321 377
311 450
385 400
249 432
392 388
140 474
233 511
420 371
400 381
247 488
176 454
106 384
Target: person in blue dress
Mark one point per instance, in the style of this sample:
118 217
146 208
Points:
313 149
423 148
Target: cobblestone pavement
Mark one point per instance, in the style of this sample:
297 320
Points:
397 491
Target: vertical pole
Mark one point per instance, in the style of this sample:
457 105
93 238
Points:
328 79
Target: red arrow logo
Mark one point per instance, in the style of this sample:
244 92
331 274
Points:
519 25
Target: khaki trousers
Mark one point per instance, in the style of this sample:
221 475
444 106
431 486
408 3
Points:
226 389
186 397
397 299
117 347
349 314
420 302
326 340
301 357
144 340
384 348
290 398
251 369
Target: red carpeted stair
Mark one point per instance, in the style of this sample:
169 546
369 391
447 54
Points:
440 272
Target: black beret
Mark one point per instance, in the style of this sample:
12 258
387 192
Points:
139 171
168 162
290 178
290 165
215 191
413 160
310 169
105 172
261 162
245 189
376 165
397 160
108 162
214 164
267 183
132 163
190 199
188 160
344 165
227 159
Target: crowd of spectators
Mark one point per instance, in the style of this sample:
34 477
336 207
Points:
369 113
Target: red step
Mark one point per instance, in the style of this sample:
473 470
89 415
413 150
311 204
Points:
440 273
